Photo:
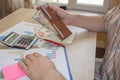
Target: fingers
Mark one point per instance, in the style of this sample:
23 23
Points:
23 66
50 6
38 8
30 57
26 61
37 55
55 8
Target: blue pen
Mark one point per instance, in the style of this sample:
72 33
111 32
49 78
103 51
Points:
17 59
28 32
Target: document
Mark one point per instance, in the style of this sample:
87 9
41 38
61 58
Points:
26 28
9 58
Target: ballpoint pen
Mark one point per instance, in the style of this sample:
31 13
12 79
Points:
54 42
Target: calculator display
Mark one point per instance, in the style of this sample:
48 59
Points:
11 38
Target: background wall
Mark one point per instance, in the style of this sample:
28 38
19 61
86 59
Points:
2 9
9 6
114 3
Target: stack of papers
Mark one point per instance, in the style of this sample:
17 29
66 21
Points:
9 58
39 31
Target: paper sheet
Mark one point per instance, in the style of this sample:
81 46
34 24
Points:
54 52
57 55
39 31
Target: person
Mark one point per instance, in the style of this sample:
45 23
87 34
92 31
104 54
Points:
38 67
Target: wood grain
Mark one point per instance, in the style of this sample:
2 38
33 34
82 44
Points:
81 53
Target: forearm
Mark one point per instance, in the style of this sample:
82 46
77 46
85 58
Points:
54 75
92 23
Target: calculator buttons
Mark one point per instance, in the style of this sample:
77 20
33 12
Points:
25 41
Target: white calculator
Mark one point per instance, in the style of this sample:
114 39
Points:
19 41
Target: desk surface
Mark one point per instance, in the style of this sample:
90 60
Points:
81 53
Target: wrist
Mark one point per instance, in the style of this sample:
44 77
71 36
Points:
71 19
53 75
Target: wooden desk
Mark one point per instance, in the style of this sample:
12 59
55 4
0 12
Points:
81 53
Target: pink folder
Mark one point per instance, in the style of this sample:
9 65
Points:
12 72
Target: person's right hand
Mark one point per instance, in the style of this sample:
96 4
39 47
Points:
64 15
38 67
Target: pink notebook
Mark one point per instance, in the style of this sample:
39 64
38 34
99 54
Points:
12 72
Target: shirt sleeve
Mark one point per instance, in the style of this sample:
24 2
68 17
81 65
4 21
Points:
108 18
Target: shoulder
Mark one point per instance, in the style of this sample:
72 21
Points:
113 11
111 15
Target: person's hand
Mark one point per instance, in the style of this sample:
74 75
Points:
38 67
64 15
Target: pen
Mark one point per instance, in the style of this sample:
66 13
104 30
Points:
54 42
